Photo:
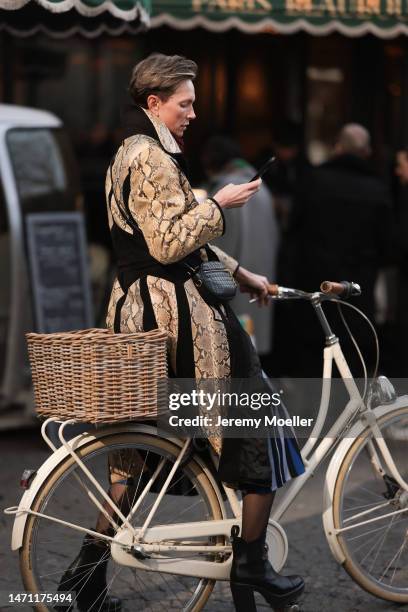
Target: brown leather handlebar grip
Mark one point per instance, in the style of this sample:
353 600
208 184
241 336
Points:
273 289
332 287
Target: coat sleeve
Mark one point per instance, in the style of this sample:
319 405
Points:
173 223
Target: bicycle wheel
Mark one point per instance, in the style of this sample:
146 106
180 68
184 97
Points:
377 552
49 548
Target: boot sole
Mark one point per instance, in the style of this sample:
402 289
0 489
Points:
275 601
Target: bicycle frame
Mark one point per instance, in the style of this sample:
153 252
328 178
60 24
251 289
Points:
131 546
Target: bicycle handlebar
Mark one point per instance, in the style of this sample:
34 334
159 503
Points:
273 289
345 289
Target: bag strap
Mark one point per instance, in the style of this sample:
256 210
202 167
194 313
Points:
210 253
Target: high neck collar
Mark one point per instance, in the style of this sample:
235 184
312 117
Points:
138 120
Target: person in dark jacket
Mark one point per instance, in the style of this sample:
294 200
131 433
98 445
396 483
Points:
401 170
343 231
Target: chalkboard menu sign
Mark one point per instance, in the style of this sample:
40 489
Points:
59 271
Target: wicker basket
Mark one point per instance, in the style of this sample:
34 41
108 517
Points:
96 376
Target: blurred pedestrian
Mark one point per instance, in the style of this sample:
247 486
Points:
253 234
287 173
342 226
401 170
283 181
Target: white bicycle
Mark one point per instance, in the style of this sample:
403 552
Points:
172 542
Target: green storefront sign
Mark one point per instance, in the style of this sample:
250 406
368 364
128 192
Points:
384 18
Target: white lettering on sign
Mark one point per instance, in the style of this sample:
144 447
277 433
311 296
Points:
359 8
234 6
394 7
368 7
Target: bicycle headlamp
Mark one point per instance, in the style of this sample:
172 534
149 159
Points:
381 392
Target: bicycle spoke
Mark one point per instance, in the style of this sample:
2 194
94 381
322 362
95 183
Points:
187 509
376 541
382 542
376 556
53 546
397 554
366 512
108 587
361 535
363 506
148 508
141 590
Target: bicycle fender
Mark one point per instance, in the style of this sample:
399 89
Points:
61 454
333 469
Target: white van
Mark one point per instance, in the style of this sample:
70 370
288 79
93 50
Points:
38 173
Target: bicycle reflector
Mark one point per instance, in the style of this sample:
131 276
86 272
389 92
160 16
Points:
27 478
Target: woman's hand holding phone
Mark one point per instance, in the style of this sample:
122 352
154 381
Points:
264 169
235 196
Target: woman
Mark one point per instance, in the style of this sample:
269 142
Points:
157 226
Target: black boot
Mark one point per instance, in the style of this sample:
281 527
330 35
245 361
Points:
251 571
86 576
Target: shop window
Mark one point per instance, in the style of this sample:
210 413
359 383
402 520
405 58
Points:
44 170
324 114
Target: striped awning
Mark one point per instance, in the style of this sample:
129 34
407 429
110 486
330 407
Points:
63 18
383 18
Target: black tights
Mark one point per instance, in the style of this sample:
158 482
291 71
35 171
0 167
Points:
124 497
256 508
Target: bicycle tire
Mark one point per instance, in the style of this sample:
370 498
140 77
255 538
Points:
356 569
164 447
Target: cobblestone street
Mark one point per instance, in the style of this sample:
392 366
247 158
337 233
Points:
328 587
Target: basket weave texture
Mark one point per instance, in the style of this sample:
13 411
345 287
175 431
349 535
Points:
97 376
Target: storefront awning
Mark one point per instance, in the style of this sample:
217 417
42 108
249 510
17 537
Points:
383 18
63 18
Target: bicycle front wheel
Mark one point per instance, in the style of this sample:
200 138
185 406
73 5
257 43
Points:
49 548
376 551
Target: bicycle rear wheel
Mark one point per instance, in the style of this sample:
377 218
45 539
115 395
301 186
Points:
377 552
49 548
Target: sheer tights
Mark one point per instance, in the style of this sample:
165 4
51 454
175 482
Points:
124 497
256 508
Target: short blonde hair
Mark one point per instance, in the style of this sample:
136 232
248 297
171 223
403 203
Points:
160 75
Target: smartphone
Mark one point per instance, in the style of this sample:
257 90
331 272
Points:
264 169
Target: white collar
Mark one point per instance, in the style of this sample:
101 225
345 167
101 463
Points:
165 136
